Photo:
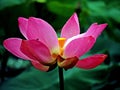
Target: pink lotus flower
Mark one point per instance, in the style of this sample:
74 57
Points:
45 50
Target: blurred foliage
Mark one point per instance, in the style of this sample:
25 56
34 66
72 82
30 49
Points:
75 79
16 74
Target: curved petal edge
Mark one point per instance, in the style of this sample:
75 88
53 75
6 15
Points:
22 23
13 46
40 66
71 27
78 46
91 61
39 29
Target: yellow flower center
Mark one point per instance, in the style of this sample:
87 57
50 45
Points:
61 44
65 63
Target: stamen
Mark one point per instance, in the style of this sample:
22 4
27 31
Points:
61 42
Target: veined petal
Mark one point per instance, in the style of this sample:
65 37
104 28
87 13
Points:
77 46
40 66
13 46
94 30
23 22
91 61
37 51
71 27
40 30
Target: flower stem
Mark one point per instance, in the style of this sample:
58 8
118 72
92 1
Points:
61 78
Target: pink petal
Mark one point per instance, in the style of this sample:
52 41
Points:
95 30
36 50
40 30
71 28
13 46
91 61
40 66
78 46
22 22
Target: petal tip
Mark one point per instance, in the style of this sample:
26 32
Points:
95 23
6 42
75 14
20 19
104 25
104 56
71 27
33 18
